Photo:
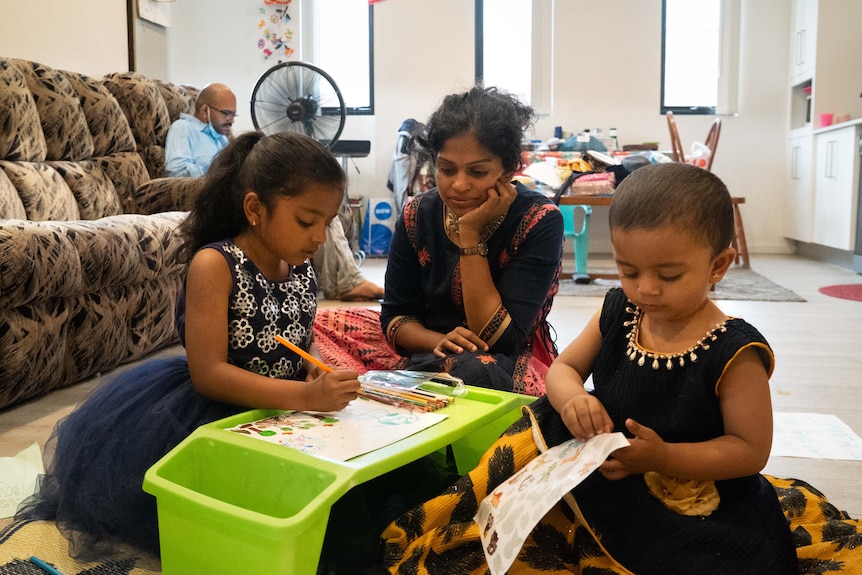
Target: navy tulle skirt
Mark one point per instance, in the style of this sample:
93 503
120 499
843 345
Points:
96 457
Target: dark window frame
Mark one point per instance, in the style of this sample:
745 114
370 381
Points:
479 43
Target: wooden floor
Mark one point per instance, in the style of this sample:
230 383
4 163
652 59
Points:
818 347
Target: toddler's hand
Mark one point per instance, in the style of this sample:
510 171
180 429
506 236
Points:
585 417
333 391
646 452
458 340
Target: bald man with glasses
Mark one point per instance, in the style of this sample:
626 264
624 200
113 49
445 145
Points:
193 140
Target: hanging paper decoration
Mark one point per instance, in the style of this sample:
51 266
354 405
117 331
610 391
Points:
276 36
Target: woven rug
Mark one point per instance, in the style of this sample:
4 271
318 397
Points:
738 284
846 291
19 541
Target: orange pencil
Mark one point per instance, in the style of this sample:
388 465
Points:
302 353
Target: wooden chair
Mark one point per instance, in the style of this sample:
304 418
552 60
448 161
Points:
738 242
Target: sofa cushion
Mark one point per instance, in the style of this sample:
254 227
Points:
21 137
11 207
33 337
44 260
125 250
42 190
108 125
63 124
147 113
80 297
168 194
38 261
128 172
178 99
94 191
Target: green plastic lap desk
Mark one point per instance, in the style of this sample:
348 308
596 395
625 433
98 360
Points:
229 503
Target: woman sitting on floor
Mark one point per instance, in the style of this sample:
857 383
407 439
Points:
473 264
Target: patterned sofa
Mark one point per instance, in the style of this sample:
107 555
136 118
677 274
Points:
88 273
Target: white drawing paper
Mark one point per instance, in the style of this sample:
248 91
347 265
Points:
18 478
363 426
814 435
508 515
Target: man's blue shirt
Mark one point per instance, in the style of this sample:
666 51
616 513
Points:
190 147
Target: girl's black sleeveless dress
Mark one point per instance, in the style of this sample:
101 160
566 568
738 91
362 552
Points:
97 456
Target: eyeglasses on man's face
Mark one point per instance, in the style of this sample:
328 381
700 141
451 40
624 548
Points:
228 114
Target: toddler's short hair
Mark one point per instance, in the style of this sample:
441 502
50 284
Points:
675 194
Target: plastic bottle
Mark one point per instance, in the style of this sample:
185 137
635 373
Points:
613 135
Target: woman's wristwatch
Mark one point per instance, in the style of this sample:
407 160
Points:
480 249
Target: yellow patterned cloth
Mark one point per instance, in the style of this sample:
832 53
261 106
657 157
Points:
827 540
440 536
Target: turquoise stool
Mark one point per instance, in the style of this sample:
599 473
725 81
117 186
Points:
580 237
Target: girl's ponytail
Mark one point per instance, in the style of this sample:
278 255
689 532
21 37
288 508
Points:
218 209
280 165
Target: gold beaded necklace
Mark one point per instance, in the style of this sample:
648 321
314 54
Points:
633 349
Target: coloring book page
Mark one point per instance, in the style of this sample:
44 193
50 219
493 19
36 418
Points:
363 426
507 516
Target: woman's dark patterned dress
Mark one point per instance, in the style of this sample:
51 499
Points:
423 283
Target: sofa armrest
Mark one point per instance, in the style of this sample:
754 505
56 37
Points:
167 195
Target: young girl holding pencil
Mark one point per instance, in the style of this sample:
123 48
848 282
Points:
260 216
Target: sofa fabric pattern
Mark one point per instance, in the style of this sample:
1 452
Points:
105 290
89 274
147 114
11 205
178 99
105 119
43 191
67 136
128 172
93 190
21 137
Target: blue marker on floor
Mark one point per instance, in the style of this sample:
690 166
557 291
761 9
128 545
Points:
46 567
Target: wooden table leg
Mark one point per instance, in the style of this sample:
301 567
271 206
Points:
739 242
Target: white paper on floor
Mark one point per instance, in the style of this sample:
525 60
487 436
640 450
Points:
814 435
18 477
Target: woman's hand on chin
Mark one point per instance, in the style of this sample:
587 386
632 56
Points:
497 204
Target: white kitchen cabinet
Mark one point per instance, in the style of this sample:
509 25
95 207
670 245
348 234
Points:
836 181
799 190
822 162
803 42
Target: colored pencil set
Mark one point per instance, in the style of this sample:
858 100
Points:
413 398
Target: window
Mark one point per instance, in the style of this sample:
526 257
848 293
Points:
342 46
514 49
700 56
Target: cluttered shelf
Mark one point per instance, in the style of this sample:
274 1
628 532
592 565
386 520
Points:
578 179
578 173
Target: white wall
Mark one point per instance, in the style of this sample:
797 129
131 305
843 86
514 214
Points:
87 36
607 67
